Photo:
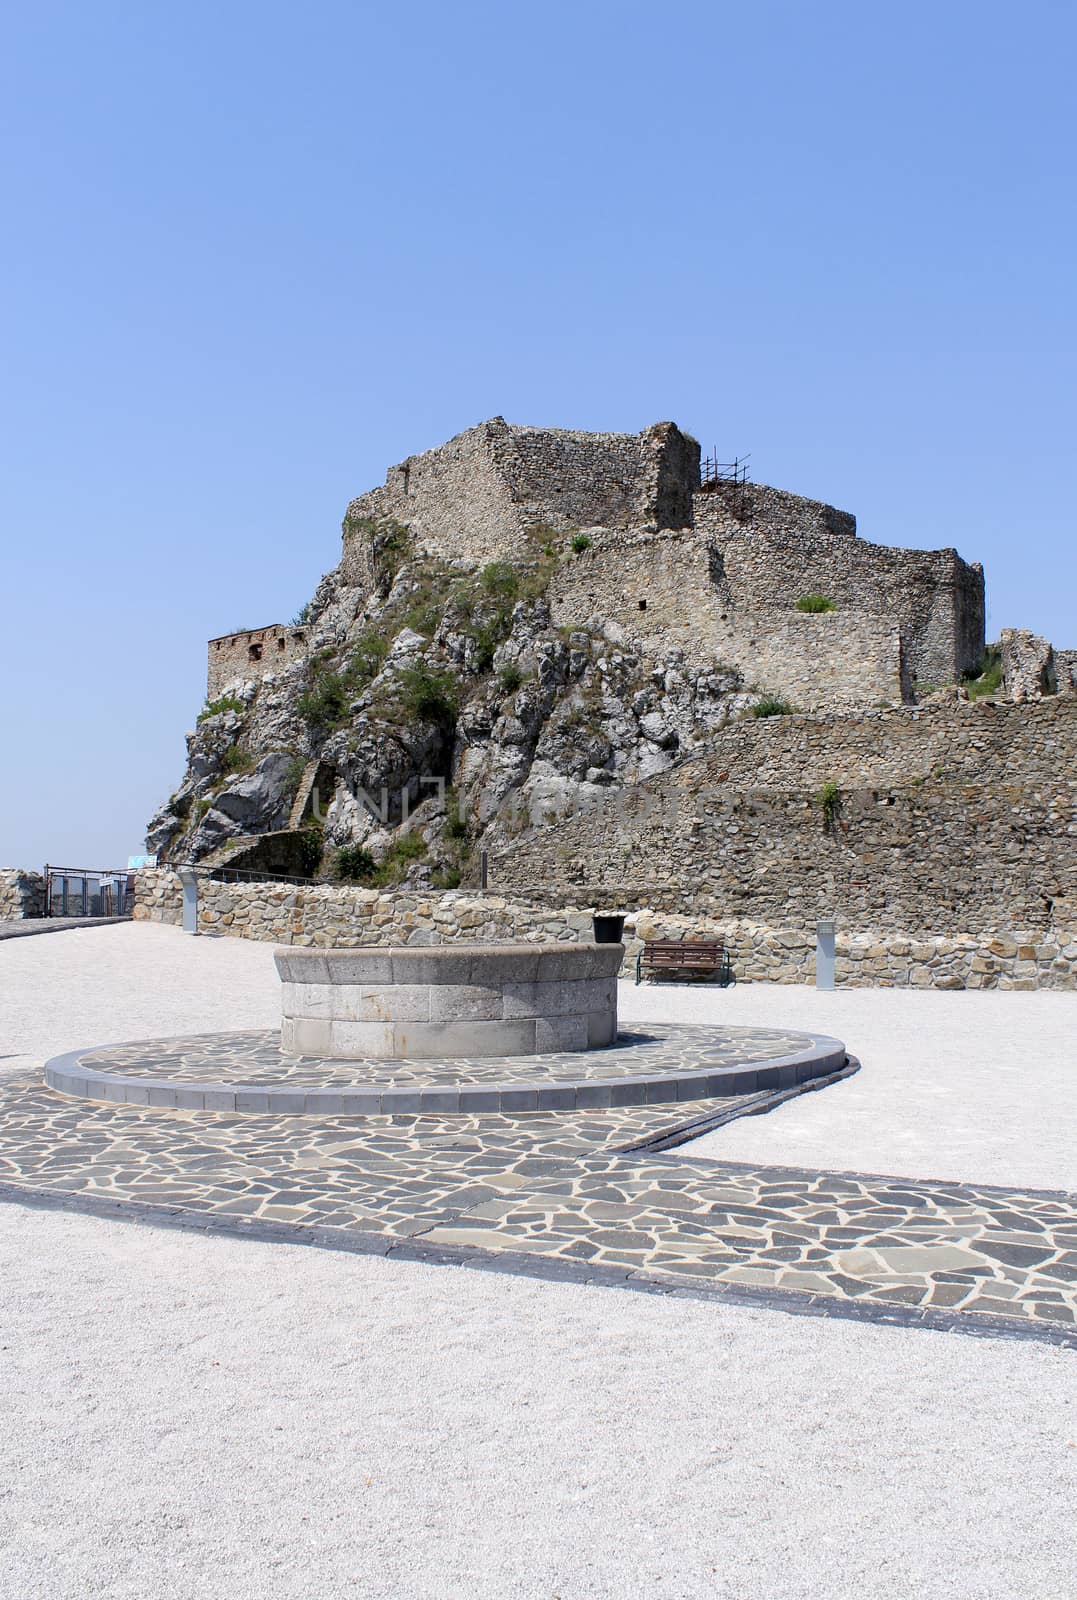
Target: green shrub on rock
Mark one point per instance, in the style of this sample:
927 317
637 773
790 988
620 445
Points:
428 696
310 847
828 799
236 762
224 702
405 850
989 679
354 864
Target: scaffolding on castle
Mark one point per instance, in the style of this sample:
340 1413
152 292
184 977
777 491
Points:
729 479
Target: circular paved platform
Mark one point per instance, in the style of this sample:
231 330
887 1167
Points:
250 1072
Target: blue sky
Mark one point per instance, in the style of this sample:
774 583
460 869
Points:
254 254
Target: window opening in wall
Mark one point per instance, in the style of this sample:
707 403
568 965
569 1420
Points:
281 644
643 605
255 652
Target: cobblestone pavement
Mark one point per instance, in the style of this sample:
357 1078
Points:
564 1187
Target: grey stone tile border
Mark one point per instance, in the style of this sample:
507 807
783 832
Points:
550 1269
637 1074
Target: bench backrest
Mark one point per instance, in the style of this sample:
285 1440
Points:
673 952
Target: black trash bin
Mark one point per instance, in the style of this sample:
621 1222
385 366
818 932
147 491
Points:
608 930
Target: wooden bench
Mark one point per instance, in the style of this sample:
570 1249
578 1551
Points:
686 955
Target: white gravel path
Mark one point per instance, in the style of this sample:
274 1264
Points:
188 1418
194 1418
973 1086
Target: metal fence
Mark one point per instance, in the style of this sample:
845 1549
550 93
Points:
89 892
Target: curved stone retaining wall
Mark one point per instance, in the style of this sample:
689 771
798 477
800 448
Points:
453 1000
901 956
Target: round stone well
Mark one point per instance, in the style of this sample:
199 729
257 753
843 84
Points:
421 1002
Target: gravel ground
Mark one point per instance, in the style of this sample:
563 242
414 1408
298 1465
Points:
968 1085
189 1417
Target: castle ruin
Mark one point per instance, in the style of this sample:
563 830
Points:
714 568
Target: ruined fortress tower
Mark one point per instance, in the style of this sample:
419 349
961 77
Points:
716 568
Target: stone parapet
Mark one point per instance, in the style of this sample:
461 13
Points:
1006 956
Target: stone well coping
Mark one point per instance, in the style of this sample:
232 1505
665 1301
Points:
447 1002
468 1000
472 964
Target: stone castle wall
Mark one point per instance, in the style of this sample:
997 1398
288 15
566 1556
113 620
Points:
22 894
571 479
1033 668
456 500
727 509
667 589
476 498
719 570
257 654
831 659
935 598
985 839
325 915
958 743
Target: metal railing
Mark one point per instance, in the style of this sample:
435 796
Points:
88 891
730 479
250 875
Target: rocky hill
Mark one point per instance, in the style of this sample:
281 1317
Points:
431 706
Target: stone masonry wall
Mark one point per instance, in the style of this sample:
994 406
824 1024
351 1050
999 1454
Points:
235 657
728 509
935 598
831 659
984 839
569 479
957 742
158 896
343 914
668 590
22 894
325 915
475 498
1032 667
456 500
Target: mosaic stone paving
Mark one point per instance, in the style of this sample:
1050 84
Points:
256 1059
563 1191
249 1072
955 1246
